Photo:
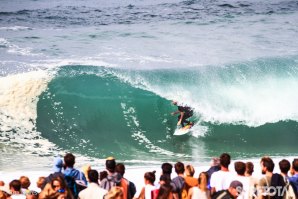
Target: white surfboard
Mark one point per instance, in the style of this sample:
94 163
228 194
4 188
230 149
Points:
183 130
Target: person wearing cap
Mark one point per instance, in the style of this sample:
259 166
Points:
232 192
57 171
113 179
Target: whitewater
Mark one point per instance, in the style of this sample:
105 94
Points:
96 78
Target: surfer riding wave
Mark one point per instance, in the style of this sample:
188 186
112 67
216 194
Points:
184 112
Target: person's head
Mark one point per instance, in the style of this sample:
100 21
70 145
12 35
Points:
166 168
164 179
249 168
93 176
4 192
215 162
85 170
235 188
149 177
189 170
240 168
225 160
174 102
284 166
2 183
179 168
295 165
15 186
40 182
111 164
267 165
203 180
164 191
32 195
120 168
102 175
57 164
25 182
115 193
69 160
58 184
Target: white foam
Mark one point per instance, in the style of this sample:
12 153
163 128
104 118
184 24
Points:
15 28
18 101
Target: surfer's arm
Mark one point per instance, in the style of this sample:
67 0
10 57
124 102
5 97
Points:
176 112
180 120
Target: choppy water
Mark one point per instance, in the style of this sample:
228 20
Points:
96 78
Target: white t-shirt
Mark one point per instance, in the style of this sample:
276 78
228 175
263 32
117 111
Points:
198 194
221 180
245 181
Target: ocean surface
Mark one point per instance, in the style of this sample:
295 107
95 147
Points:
96 78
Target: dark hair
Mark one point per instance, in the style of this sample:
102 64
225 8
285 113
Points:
15 184
69 160
225 160
111 164
150 176
240 167
284 166
166 178
166 168
179 168
120 168
103 175
295 164
59 179
164 191
93 176
268 163
249 168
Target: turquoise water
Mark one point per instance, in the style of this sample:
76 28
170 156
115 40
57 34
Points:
97 79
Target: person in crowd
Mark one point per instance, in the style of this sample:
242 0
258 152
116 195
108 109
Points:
5 192
167 169
57 171
131 188
40 182
240 168
253 182
189 180
25 184
178 182
32 195
93 191
267 167
102 175
56 188
85 170
165 179
200 191
113 178
294 179
2 183
115 193
220 180
232 192
146 191
75 179
214 166
284 166
15 188
164 192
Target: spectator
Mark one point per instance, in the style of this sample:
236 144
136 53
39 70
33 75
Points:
178 182
220 180
294 179
15 188
93 191
232 192
201 191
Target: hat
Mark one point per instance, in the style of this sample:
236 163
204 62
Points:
5 189
110 164
58 164
236 184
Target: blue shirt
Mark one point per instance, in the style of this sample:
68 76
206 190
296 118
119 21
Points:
78 175
294 181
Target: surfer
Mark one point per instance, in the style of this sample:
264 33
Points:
185 113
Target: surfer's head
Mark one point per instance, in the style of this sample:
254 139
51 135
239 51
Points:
174 102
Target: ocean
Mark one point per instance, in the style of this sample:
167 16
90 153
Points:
96 78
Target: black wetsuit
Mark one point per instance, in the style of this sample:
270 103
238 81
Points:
188 112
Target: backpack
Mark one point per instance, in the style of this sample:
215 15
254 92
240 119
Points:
277 186
72 185
111 181
290 193
131 190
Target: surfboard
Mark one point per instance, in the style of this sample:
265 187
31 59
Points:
183 130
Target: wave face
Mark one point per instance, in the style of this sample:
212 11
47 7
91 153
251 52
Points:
98 111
